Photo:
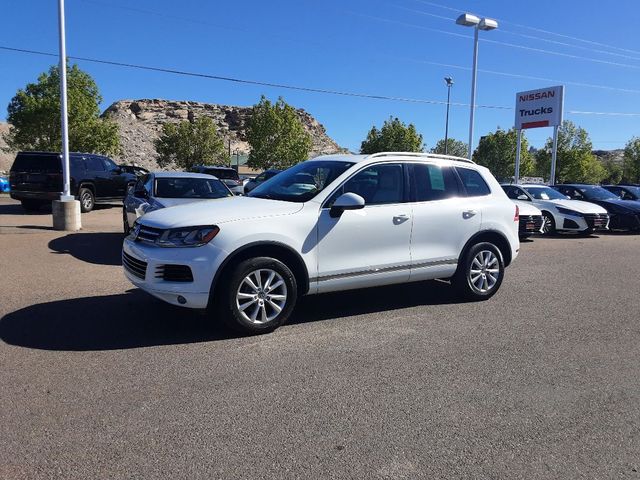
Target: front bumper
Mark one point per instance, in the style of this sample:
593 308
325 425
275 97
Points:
141 264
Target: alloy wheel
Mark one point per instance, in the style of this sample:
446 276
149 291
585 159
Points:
261 296
484 272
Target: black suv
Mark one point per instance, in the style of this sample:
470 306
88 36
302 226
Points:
36 179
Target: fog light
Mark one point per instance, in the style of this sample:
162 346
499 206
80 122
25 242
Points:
181 300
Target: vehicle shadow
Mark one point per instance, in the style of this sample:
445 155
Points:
100 248
135 319
16 209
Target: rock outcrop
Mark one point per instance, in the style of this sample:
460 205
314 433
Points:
140 123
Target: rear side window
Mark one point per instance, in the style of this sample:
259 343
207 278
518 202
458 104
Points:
473 182
94 164
432 182
37 163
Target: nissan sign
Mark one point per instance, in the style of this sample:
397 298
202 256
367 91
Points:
539 108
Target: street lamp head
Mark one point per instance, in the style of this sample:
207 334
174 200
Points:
488 24
449 81
468 20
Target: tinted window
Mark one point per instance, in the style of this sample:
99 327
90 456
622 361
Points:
37 163
431 182
378 185
77 163
222 173
545 193
109 164
94 164
191 188
473 182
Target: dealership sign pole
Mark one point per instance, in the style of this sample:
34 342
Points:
535 109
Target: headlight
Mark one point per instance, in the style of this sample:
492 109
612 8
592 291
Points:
566 211
187 237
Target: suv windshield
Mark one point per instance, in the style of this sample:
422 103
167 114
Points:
597 193
302 182
191 188
545 193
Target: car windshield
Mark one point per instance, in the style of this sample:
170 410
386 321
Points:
593 192
302 182
545 193
191 188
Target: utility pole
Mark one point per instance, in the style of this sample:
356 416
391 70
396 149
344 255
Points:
449 82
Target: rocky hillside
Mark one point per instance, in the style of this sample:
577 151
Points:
6 158
140 123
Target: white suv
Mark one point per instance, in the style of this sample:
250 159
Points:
333 223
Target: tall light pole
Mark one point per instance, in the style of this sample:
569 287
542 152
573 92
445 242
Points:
449 82
66 210
468 20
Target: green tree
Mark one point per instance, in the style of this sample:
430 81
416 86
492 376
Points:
34 115
497 152
394 136
575 160
456 148
191 143
631 161
276 136
613 169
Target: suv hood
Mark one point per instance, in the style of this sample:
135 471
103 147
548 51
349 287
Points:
632 205
215 212
575 205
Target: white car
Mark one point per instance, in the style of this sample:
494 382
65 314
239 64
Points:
333 223
531 220
560 214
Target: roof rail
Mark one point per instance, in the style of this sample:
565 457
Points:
436 156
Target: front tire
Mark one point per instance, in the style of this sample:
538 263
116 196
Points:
259 296
87 199
548 224
480 274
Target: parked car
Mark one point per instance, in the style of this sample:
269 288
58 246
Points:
137 171
531 219
263 177
36 179
333 223
625 192
624 214
4 185
157 190
228 175
559 213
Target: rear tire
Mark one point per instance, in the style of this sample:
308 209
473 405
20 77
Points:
480 273
32 205
258 297
87 199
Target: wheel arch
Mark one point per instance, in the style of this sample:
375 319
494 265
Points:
492 236
273 249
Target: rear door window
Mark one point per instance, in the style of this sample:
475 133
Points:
94 164
433 182
473 182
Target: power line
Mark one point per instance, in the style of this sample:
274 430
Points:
292 87
289 40
548 32
524 35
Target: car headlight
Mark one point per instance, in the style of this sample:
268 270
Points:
187 237
566 211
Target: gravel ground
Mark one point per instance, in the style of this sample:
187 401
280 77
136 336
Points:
100 380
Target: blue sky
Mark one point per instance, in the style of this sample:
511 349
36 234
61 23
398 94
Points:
385 47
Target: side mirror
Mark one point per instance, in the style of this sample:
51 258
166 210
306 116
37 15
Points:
522 196
346 201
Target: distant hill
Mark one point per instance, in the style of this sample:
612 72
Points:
140 122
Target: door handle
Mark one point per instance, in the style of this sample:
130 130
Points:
398 219
468 214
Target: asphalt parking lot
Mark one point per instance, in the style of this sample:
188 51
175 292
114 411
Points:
99 380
